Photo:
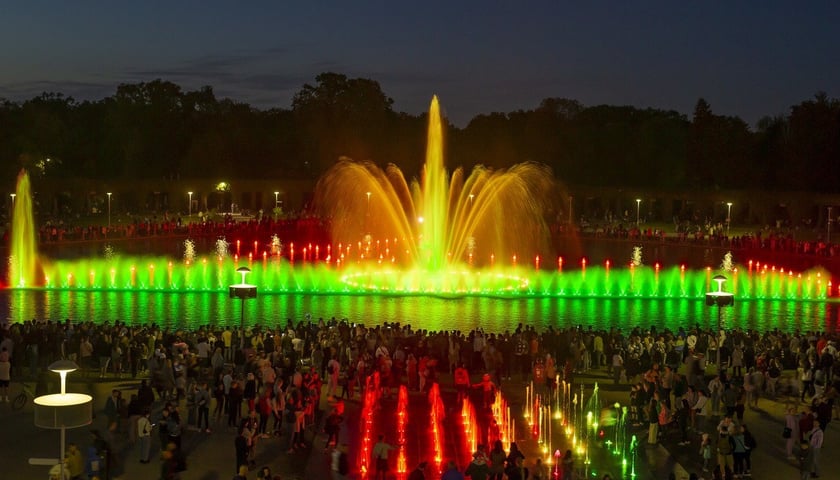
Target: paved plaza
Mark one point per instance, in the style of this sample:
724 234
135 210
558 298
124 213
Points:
210 456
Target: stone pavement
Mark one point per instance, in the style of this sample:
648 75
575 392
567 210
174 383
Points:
211 456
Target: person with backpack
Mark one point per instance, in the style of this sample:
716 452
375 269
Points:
725 448
739 452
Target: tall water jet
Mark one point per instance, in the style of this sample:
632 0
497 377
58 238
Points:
434 201
23 261
440 220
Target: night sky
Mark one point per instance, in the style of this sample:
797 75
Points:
746 58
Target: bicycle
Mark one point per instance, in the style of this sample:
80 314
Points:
19 401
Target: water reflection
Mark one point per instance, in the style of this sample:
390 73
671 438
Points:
210 308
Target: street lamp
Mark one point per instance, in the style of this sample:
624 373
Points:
638 206
189 209
276 199
60 411
570 211
109 209
243 291
721 299
728 216
13 195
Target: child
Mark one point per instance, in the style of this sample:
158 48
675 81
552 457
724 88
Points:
706 451
804 458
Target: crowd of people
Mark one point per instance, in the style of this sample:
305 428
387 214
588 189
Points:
247 379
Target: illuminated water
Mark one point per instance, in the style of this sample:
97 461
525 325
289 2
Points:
448 253
23 261
442 220
209 308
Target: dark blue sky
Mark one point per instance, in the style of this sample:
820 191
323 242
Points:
746 58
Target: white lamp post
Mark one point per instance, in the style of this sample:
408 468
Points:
189 208
243 291
13 195
61 411
638 206
109 209
570 211
728 216
276 199
721 299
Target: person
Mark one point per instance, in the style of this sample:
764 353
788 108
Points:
380 455
725 449
264 473
241 473
815 443
739 452
568 464
804 458
652 413
617 366
418 473
341 463
202 401
452 472
792 429
113 406
497 461
462 382
167 465
478 468
517 470
488 390
240 443
144 434
539 472
706 451
514 454
701 411
333 427
75 461
751 444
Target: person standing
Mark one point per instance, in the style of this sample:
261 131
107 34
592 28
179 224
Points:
739 452
751 444
617 366
333 371
804 458
341 463
240 443
202 401
791 432
144 435
380 456
815 443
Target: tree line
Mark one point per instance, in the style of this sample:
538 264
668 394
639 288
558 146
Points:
156 129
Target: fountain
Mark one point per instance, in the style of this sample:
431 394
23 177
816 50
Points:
480 234
23 261
441 221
